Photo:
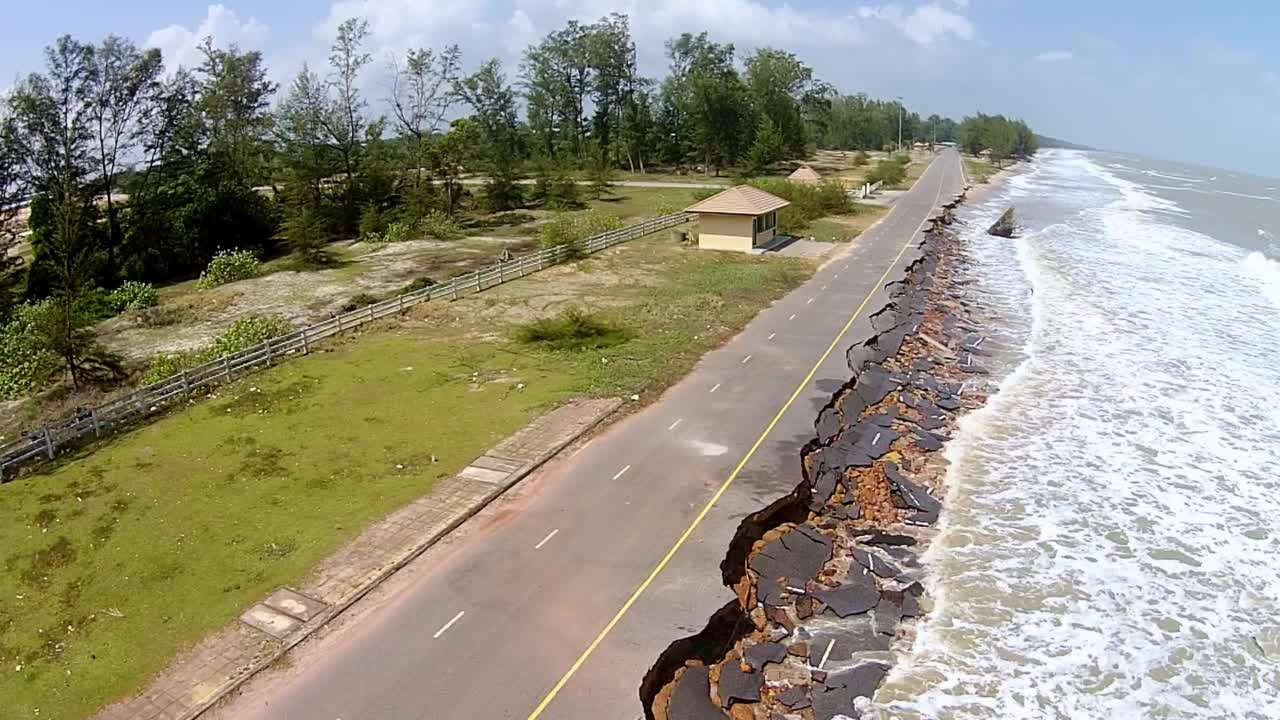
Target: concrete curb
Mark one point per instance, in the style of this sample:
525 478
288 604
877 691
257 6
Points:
323 619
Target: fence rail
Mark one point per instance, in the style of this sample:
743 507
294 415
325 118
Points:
44 444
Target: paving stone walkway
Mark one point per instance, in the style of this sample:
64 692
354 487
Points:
229 657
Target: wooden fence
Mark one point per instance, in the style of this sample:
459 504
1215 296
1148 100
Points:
44 444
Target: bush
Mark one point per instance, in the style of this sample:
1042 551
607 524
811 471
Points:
568 228
358 301
890 171
28 361
859 159
373 222
166 365
134 295
420 283
441 227
808 202
246 333
229 266
574 329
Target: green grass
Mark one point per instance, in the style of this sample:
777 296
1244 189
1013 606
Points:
183 523
978 170
635 204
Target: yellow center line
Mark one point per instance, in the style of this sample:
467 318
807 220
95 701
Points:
706 509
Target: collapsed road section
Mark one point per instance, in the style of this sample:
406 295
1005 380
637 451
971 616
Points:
827 578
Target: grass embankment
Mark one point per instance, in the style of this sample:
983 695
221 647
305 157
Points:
979 171
116 561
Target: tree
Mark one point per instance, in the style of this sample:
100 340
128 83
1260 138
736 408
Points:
54 118
494 104
421 95
707 102
233 107
767 148
124 90
780 85
14 188
343 121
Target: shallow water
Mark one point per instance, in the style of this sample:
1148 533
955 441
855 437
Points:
1110 547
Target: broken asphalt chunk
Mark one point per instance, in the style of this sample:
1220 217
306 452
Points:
691 699
757 656
737 686
795 698
794 558
859 596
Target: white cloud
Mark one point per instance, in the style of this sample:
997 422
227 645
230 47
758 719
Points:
1049 56
924 25
181 45
1228 56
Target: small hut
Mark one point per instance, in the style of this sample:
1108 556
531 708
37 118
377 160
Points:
741 218
805 174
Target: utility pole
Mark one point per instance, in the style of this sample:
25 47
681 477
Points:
899 123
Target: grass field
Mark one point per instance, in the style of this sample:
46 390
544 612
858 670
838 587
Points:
116 561
843 228
979 170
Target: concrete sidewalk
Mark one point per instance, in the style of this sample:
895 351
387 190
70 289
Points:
270 628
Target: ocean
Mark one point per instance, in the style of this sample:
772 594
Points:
1111 544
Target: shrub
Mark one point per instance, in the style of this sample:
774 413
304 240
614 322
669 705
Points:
568 228
372 222
134 295
420 283
165 365
859 159
808 202
441 227
246 333
574 329
28 361
890 171
229 266
358 301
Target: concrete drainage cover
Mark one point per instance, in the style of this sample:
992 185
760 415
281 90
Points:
272 622
294 604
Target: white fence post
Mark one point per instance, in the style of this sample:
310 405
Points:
97 426
48 442
268 344
306 346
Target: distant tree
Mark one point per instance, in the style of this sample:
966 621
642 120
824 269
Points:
15 184
344 121
421 95
124 91
494 104
767 148
708 106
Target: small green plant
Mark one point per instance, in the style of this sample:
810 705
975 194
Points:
890 171
28 361
245 333
166 365
134 295
229 266
859 159
441 227
574 329
358 301
566 229
419 283
372 222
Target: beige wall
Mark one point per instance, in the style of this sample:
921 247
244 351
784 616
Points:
725 232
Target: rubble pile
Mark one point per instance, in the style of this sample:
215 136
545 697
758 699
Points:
827 578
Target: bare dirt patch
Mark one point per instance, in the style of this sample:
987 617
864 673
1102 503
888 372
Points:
300 298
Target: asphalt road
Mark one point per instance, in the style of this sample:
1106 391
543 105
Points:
489 626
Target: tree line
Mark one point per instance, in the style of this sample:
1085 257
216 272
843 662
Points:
133 172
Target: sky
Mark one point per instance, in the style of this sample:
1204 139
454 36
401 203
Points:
1196 82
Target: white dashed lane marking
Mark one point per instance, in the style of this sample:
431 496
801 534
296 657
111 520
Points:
675 424
715 387
449 624
622 472
546 539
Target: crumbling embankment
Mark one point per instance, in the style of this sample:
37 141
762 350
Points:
827 578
